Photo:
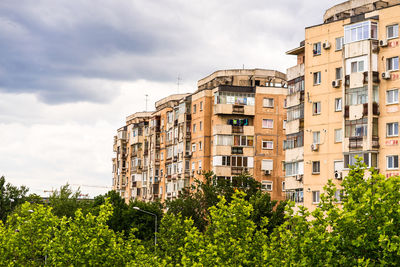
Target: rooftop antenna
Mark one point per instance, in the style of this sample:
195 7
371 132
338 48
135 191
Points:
243 66
179 82
147 96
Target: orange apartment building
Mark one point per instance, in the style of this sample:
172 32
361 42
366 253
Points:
233 124
351 105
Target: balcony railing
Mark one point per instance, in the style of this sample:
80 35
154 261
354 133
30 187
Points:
238 170
238 109
375 142
237 129
356 142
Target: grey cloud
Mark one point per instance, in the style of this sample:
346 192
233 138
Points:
47 45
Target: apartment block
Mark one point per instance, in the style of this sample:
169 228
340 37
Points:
351 107
233 124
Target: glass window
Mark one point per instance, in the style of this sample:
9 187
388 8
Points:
316 108
392 64
315 167
338 135
392 31
317 78
267 145
316 137
339 43
268 102
315 197
392 96
392 162
338 73
201 105
317 49
356 96
392 129
338 104
360 31
266 185
268 123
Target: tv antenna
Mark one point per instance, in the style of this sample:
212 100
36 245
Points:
147 96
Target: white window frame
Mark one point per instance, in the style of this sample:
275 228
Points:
392 64
267 185
317 162
316 198
394 160
392 129
394 96
317 137
317 78
395 31
316 111
339 43
194 147
317 47
339 133
269 124
268 102
338 104
268 145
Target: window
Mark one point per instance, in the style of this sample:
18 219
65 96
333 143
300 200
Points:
370 159
356 96
200 146
339 43
338 104
392 162
162 155
267 145
266 185
284 124
392 129
315 167
317 78
193 166
268 123
315 197
226 161
296 112
268 102
194 108
357 66
392 63
316 137
392 31
200 125
338 73
201 106
392 96
293 140
194 128
200 165
294 168
338 196
316 108
243 140
193 147
360 31
283 186
338 135
317 49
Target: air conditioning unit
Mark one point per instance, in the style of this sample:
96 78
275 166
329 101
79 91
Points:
267 172
386 75
338 175
326 45
299 177
383 43
314 147
336 83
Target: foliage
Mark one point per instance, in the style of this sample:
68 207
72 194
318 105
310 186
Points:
65 202
10 197
196 202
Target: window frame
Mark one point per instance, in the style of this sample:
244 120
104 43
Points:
393 161
266 127
317 110
341 41
317 78
392 124
317 49
267 142
395 35
338 100
390 62
316 197
394 101
316 163
268 102
341 135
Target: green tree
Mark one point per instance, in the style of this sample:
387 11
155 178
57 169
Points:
10 197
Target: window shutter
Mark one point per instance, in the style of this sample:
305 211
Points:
267 165
301 167
250 162
217 160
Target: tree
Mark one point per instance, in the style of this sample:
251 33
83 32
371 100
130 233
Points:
10 197
195 202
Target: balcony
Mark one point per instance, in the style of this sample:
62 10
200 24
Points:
375 142
375 109
234 109
238 170
237 150
356 142
237 129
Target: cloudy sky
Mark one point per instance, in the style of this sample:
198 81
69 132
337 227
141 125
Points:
72 70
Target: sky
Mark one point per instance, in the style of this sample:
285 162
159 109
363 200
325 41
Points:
72 70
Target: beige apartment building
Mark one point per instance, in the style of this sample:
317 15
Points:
351 107
233 124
